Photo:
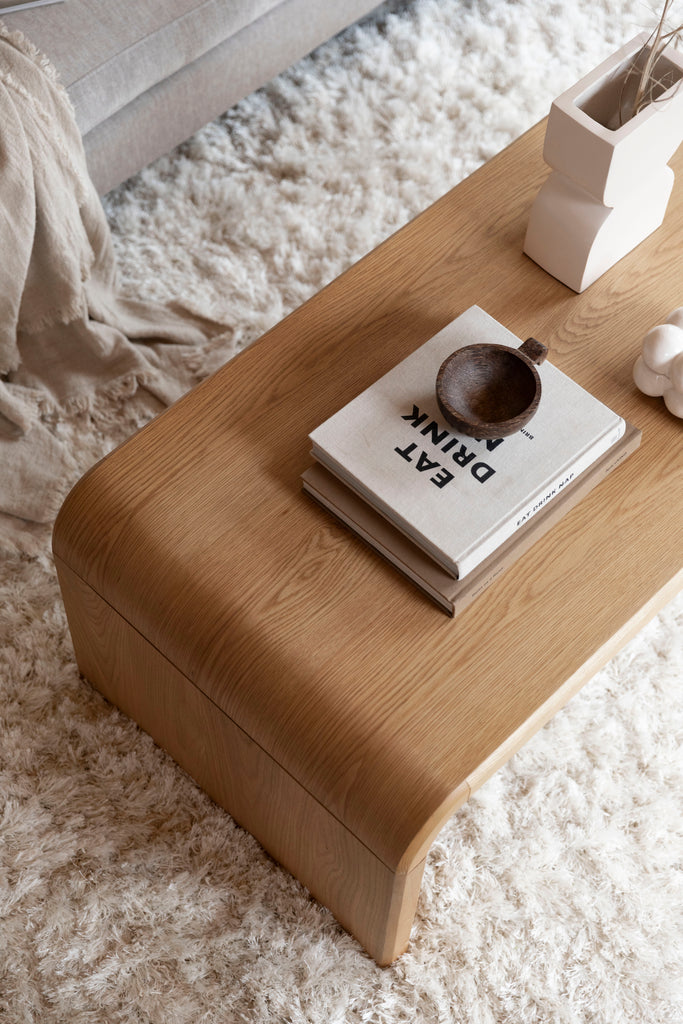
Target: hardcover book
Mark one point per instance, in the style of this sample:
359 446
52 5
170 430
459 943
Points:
450 594
455 497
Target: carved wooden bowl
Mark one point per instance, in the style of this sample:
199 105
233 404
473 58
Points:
488 391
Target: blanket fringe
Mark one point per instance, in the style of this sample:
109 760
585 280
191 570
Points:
64 292
20 43
119 389
64 315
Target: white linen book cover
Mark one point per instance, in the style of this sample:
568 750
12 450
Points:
456 497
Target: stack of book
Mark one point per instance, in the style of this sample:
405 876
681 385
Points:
452 512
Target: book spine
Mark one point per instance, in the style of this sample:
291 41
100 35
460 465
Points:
464 592
397 549
381 549
470 559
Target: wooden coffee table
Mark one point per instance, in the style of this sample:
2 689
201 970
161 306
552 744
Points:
334 711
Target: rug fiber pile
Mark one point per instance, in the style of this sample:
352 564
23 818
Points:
555 895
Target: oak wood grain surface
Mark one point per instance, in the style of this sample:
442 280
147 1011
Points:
383 708
369 899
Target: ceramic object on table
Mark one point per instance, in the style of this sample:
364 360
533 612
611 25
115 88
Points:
658 371
610 186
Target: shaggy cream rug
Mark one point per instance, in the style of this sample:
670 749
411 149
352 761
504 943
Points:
555 895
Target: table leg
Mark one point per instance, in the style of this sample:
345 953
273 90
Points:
373 902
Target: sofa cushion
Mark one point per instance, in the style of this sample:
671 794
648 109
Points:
175 108
107 53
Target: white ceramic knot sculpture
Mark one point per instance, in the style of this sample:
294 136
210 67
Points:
659 369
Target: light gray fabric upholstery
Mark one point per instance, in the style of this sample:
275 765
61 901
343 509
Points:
123 49
145 74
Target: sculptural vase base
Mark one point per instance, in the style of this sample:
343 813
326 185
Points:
576 239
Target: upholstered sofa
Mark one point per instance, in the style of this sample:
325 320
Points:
145 74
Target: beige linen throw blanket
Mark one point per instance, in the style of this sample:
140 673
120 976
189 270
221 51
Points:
66 333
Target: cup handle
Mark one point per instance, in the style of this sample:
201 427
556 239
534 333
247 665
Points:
534 350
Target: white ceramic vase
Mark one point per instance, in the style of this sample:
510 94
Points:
609 186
